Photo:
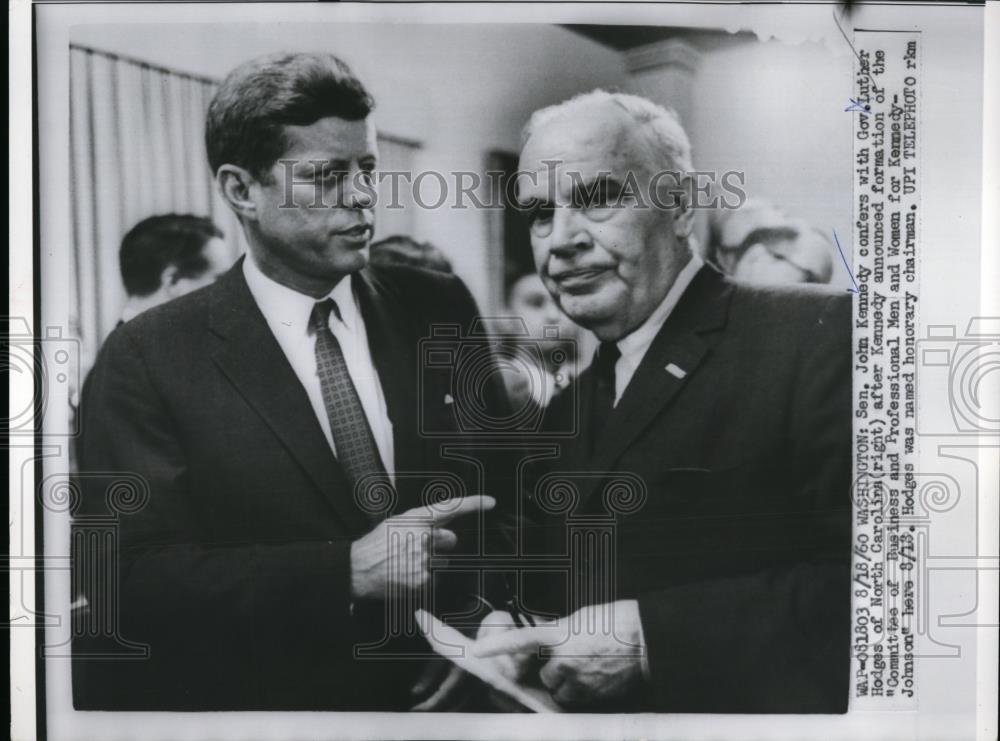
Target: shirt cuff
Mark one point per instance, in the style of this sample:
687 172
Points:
644 656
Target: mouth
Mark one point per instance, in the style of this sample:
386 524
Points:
580 280
356 232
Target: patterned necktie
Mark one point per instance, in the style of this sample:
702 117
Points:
356 449
605 357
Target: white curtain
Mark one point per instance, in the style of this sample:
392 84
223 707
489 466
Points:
137 149
395 155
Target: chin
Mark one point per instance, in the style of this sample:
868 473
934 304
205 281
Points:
589 317
589 310
349 263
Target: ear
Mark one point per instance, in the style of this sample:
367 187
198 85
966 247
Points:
684 213
168 279
235 185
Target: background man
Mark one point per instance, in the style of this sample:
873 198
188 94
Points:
759 243
167 256
731 403
272 416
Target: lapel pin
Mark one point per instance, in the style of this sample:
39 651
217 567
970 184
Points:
448 399
675 371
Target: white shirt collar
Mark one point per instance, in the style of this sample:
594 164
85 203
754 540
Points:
633 347
285 306
636 343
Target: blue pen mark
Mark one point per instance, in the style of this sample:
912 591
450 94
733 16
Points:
857 288
856 106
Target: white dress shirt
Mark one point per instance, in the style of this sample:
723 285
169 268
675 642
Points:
633 347
287 313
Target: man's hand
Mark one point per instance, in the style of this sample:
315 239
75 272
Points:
594 654
511 665
449 692
382 566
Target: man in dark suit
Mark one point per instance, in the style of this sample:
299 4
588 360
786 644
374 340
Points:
715 434
280 533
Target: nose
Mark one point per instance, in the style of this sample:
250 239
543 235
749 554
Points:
569 235
360 189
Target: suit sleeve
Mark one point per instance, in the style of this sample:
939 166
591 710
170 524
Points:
216 616
776 641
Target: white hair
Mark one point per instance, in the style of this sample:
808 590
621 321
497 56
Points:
661 123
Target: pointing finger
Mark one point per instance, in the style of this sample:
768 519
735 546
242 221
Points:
446 511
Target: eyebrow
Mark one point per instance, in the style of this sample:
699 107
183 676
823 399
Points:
338 164
321 163
586 191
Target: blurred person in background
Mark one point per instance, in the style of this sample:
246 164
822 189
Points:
400 249
795 253
759 243
166 256
555 366
728 230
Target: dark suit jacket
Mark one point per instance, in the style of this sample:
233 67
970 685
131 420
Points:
236 571
739 554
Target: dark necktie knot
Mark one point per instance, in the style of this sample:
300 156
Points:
320 317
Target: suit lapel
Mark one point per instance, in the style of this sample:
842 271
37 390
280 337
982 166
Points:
677 351
255 364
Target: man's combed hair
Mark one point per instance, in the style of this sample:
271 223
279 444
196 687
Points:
247 116
159 242
661 123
